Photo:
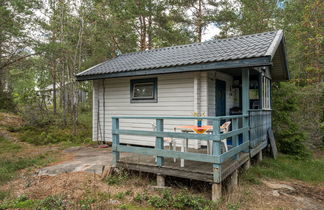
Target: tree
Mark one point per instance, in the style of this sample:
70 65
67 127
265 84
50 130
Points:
16 20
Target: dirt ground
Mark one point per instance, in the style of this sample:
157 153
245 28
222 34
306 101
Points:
76 186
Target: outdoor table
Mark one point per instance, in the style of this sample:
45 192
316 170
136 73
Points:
193 128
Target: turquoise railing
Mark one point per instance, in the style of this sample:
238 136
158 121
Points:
216 158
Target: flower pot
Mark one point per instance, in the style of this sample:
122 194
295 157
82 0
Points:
199 123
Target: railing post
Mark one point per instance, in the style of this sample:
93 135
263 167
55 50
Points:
217 173
115 137
216 151
235 138
245 101
159 143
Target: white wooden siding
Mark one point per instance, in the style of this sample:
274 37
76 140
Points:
175 98
179 94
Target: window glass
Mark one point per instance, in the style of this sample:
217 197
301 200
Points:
143 90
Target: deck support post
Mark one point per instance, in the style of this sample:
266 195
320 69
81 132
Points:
115 157
247 164
159 143
245 102
216 191
160 180
233 180
259 156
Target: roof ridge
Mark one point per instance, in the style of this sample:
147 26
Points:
197 43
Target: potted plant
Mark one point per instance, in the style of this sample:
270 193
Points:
199 121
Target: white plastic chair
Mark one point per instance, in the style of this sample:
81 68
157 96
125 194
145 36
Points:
224 128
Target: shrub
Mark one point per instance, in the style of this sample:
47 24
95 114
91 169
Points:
290 138
6 101
52 202
117 178
54 134
158 202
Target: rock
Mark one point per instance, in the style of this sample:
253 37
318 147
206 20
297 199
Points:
114 202
275 193
278 186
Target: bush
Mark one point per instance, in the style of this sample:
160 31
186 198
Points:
117 178
182 200
33 115
6 101
290 138
53 135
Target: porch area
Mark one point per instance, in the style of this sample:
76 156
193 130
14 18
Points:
225 151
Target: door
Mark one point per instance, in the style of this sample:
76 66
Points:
220 97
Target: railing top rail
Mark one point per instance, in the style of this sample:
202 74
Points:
260 110
180 118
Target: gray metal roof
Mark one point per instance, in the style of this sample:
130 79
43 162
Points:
230 49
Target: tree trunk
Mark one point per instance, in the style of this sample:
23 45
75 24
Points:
199 21
54 87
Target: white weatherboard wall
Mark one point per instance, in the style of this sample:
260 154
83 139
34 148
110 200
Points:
179 94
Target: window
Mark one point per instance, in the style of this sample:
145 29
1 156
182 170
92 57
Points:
143 90
266 102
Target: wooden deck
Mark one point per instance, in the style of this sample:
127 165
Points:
193 169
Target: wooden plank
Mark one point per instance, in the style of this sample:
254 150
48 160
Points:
234 151
245 101
233 133
115 153
159 143
167 134
233 165
167 171
169 153
216 151
274 150
254 151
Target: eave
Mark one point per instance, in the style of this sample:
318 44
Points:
230 64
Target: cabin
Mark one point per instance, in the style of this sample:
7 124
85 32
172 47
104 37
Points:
198 111
62 93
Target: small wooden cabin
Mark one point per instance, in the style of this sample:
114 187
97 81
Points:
140 98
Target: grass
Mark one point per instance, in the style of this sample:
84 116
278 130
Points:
287 167
23 202
10 164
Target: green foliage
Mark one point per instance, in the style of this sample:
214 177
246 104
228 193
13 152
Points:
233 206
10 164
6 101
121 195
287 167
52 202
182 200
117 178
287 132
23 202
53 135
4 194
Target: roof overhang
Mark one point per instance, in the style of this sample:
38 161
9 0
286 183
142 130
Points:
230 64
277 52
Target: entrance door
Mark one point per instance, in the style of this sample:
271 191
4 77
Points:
220 97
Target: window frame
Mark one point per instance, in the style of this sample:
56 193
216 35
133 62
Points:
152 99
